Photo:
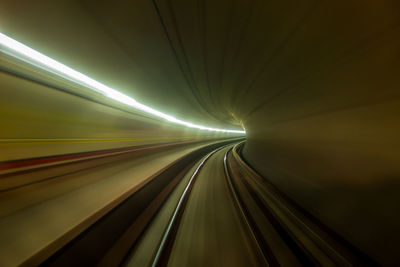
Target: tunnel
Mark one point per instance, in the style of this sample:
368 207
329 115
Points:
199 133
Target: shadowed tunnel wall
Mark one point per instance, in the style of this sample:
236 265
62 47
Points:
327 131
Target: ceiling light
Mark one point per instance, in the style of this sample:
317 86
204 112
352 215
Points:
18 50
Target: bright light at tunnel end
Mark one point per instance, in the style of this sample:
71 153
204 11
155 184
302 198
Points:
20 51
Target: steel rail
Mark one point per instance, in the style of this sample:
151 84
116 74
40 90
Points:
240 207
175 218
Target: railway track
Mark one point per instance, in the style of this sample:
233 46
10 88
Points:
274 231
54 206
287 234
207 206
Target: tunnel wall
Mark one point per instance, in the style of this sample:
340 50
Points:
45 119
330 139
343 167
316 84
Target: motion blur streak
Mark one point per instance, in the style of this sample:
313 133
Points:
25 53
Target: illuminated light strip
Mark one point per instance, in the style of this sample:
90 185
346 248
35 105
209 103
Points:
18 50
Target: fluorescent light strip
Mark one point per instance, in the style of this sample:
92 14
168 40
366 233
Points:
33 57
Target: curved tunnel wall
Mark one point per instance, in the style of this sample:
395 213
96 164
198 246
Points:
42 115
327 131
341 168
315 83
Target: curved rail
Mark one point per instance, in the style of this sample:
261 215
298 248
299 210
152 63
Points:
267 257
161 255
312 242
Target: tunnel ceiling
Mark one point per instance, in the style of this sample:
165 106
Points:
219 62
